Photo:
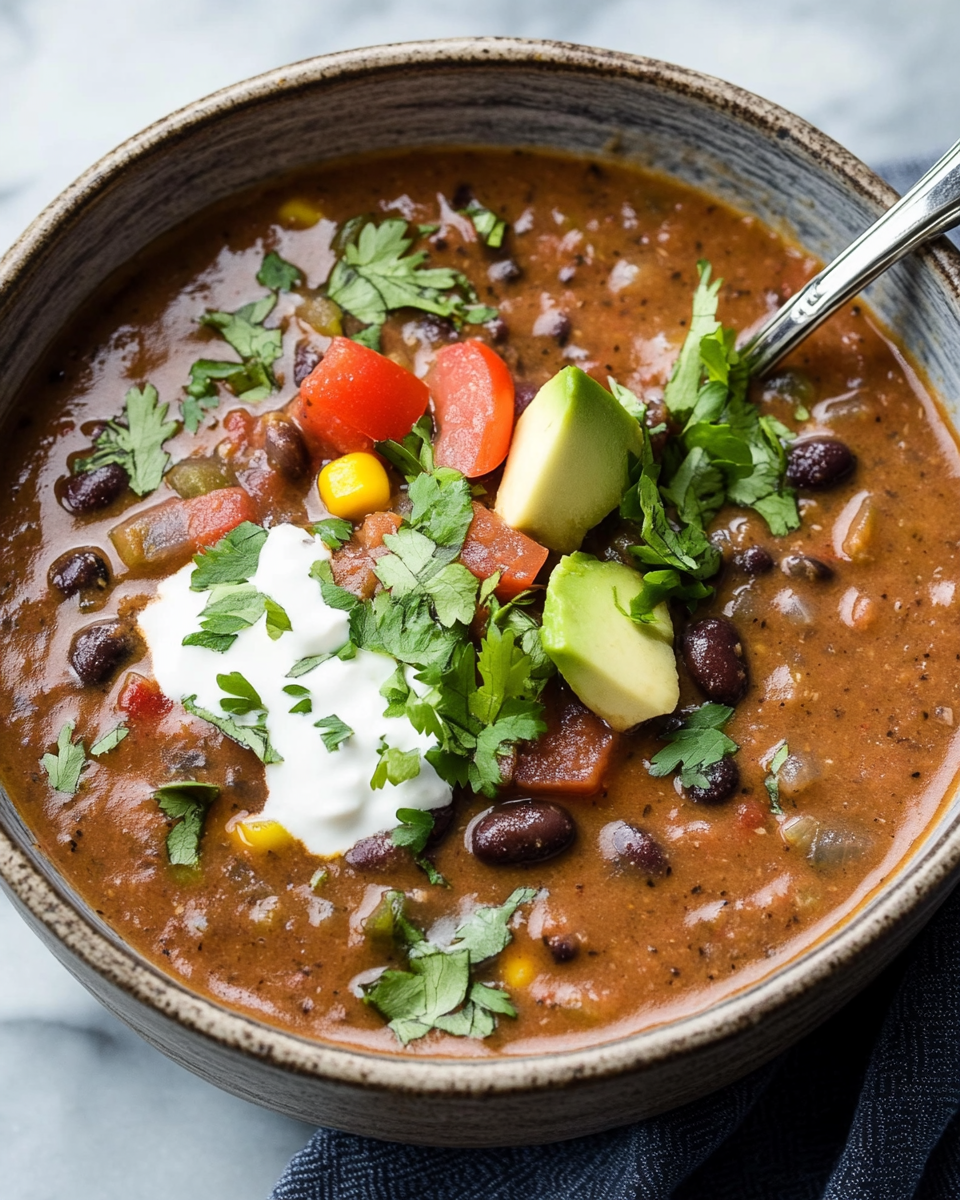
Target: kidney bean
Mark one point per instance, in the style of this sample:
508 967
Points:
78 570
563 946
523 393
286 449
755 560
723 780
97 651
714 656
802 566
94 489
522 831
819 463
306 356
627 845
504 271
374 853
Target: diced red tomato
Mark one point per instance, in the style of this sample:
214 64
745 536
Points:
752 815
169 533
574 754
472 392
353 563
355 397
491 545
142 700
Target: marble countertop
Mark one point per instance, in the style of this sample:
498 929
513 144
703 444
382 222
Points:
87 1109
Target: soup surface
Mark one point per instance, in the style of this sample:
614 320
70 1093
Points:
815 657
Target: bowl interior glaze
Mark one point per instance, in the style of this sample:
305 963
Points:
483 92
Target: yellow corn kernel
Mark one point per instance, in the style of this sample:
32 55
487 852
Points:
517 968
321 314
257 833
354 485
297 213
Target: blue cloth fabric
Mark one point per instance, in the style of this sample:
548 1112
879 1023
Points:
865 1108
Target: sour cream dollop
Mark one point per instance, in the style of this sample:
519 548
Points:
323 798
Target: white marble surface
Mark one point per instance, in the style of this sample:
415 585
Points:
86 1109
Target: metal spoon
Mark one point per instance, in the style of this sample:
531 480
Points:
930 207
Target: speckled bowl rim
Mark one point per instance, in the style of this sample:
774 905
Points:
927 870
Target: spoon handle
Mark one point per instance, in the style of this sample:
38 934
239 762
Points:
931 206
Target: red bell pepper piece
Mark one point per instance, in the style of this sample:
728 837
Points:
472 392
355 397
574 754
142 700
491 545
167 534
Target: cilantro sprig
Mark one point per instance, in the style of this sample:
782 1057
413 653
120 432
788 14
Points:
437 991
64 768
378 273
135 441
185 802
413 833
772 780
696 745
232 560
232 608
254 737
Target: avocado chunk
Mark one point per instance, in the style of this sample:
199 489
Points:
622 671
568 463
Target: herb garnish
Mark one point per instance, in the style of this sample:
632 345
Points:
413 833
490 228
696 745
378 273
63 768
233 608
333 731
333 532
135 441
186 801
254 737
304 704
278 274
109 741
436 992
394 766
232 560
772 781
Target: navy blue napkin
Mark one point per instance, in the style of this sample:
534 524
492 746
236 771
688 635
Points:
864 1108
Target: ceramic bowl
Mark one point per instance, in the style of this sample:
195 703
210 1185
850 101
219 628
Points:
481 92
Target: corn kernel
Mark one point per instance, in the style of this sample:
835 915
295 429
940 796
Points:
517 969
354 486
297 213
256 833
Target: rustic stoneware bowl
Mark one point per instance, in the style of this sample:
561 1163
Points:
482 92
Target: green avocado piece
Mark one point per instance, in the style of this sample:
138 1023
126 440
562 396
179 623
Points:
622 671
568 464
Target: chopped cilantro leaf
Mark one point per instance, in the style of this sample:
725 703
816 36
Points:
232 608
413 833
241 696
772 781
333 532
490 228
369 337
427 230
109 741
333 732
680 394
318 878
302 697
394 766
253 737
487 931
696 745
278 274
135 441
303 666
414 454
277 622
663 585
186 801
232 560
63 768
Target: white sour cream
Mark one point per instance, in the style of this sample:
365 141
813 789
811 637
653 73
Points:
321 797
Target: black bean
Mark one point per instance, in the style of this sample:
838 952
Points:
286 449
627 845
94 489
523 393
724 779
504 271
714 656
498 329
755 560
77 571
374 853
522 831
462 196
819 463
802 566
563 946
96 652
305 357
